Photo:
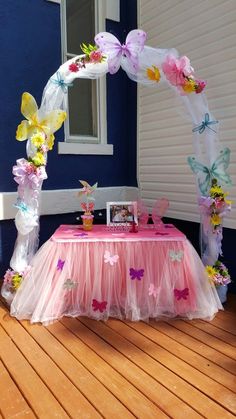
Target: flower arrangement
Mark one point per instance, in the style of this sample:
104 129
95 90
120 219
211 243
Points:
215 206
13 279
87 205
91 55
179 73
218 274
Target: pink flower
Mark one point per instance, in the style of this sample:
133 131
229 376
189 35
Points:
95 56
200 86
8 276
177 69
74 67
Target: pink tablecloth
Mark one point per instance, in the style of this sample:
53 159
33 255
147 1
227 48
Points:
106 273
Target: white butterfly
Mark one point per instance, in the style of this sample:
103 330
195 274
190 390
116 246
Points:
176 256
108 258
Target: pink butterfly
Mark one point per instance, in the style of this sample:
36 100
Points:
153 290
99 305
116 52
181 293
108 258
159 209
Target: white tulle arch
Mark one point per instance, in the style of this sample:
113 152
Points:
144 65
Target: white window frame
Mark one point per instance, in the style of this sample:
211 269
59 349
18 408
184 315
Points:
87 144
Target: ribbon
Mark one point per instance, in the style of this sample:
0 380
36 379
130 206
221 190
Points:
205 124
61 82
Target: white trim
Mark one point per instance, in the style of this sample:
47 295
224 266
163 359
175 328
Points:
63 201
79 148
113 10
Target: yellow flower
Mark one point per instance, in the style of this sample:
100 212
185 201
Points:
228 202
189 86
50 141
216 220
38 139
216 190
38 159
16 281
153 73
210 271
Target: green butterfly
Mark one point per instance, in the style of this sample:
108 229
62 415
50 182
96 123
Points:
217 171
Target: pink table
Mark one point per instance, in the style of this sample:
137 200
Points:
106 273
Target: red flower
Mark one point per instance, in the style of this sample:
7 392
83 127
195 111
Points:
200 86
74 67
95 56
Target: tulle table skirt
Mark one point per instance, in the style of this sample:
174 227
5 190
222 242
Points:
103 274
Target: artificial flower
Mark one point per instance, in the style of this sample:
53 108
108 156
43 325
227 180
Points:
35 122
177 69
38 159
38 139
25 173
16 281
95 56
74 67
216 190
218 274
211 272
216 219
200 86
189 86
153 73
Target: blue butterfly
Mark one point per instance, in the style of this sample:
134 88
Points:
217 171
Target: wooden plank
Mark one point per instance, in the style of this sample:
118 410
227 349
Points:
187 355
212 390
73 335
159 389
225 321
26 379
68 396
98 395
203 337
213 330
190 342
12 403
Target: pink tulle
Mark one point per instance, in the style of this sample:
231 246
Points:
151 276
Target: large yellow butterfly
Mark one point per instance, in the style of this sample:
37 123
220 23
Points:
46 124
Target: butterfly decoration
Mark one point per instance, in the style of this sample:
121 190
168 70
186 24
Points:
152 290
176 256
35 122
136 273
87 207
216 171
60 264
160 233
159 209
116 52
21 206
205 124
109 258
181 294
82 235
69 284
87 188
99 305
59 81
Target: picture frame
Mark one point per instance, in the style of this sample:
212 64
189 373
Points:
121 213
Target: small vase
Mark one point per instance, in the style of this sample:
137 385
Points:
222 293
87 219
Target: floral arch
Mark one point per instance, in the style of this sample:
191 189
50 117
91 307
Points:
143 64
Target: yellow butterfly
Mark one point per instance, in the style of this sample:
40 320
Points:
46 124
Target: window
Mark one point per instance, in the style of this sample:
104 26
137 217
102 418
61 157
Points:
86 123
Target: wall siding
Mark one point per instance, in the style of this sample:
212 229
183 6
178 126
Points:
205 31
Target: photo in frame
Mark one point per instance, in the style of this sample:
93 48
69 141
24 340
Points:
121 213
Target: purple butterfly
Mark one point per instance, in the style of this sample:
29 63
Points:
60 264
117 54
181 293
99 305
80 234
136 273
161 234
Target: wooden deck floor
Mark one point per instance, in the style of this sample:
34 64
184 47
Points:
80 368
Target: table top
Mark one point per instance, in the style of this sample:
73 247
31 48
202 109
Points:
75 233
